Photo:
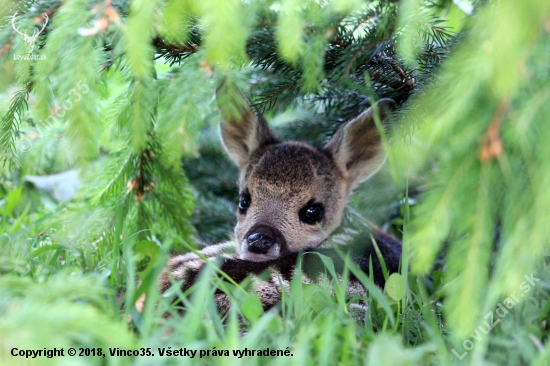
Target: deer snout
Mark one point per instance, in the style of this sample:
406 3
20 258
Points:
261 240
264 240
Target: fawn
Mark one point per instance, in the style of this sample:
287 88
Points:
291 198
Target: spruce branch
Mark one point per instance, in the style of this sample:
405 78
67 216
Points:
117 180
357 54
185 48
10 126
271 99
406 82
50 12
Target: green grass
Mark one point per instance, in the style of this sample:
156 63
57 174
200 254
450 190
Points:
54 293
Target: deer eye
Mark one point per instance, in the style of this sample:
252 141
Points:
244 202
312 213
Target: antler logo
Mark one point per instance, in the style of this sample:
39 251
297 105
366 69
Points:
29 40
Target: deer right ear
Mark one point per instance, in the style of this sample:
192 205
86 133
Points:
357 146
242 131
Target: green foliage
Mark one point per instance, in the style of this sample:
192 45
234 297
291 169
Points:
10 126
123 92
486 190
139 26
69 312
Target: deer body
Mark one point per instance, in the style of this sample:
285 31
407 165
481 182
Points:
292 196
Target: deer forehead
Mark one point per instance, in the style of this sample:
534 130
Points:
291 170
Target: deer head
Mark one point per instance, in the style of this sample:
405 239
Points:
292 194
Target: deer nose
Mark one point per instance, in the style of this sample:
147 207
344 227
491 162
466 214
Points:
261 240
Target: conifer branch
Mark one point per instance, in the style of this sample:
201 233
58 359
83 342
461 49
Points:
406 82
160 44
10 126
357 54
274 95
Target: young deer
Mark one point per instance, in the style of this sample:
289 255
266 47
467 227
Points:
291 198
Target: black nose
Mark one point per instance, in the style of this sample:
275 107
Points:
261 240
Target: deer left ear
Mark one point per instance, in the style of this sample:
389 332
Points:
357 147
243 131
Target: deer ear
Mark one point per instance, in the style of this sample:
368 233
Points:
242 130
357 147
